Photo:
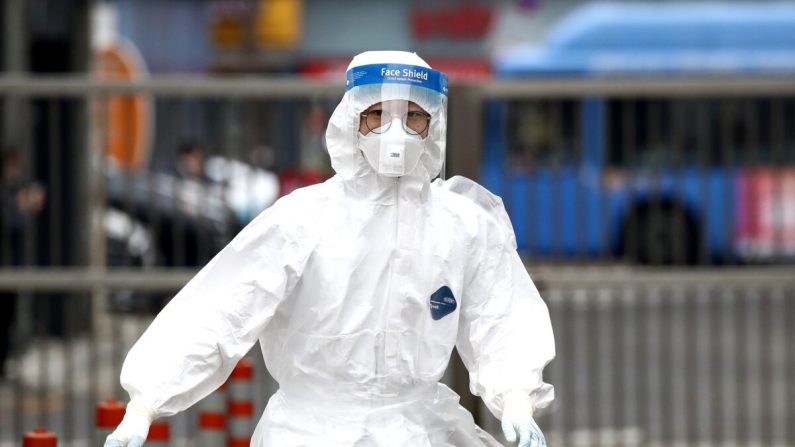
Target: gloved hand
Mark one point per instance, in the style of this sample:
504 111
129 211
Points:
517 417
134 428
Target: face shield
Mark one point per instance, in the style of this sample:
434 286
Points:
401 118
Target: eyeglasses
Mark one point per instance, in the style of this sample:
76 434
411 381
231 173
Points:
379 121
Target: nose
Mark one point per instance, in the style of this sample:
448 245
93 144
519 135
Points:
394 124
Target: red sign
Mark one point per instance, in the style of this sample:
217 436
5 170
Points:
461 22
325 68
461 69
766 213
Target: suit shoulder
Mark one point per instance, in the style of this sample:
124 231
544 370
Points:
293 208
478 200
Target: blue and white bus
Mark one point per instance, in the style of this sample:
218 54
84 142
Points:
653 179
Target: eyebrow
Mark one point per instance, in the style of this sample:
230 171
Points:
409 107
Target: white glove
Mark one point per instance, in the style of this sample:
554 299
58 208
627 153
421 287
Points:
134 428
517 417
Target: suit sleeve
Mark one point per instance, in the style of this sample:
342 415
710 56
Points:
192 346
505 336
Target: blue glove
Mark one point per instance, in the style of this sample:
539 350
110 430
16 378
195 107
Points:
134 428
517 417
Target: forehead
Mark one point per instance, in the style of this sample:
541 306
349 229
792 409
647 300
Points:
396 104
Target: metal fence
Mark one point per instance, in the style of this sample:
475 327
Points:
673 359
656 171
645 358
675 356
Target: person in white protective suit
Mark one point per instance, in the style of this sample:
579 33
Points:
358 289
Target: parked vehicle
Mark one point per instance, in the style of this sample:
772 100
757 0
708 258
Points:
660 180
158 219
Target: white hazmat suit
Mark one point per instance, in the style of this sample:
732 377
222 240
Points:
358 289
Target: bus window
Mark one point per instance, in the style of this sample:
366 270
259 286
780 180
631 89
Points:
543 133
639 134
670 133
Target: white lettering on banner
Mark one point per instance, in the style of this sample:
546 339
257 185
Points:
388 72
407 73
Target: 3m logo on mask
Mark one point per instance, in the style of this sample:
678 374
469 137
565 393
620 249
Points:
442 303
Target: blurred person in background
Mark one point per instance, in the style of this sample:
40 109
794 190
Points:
21 200
358 289
194 191
249 185
190 162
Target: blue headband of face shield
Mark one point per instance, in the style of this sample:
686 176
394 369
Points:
396 74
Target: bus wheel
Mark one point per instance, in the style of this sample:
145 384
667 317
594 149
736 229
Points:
660 234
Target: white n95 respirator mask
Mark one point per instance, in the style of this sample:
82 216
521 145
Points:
392 153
